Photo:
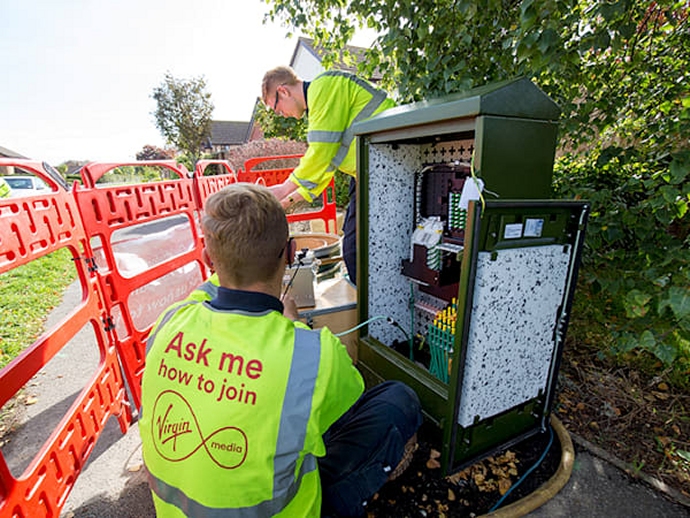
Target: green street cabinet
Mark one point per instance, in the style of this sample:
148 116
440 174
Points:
466 266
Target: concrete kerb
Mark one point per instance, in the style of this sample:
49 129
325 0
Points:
551 487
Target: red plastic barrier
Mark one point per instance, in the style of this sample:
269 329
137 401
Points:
327 213
137 249
31 228
147 247
94 171
207 185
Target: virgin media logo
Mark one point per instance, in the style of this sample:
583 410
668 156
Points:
177 434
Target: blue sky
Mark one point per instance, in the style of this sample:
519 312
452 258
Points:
78 74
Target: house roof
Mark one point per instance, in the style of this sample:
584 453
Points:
357 53
8 153
229 132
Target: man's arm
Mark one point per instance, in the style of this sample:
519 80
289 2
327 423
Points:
286 193
328 118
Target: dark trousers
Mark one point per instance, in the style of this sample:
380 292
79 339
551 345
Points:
350 234
365 445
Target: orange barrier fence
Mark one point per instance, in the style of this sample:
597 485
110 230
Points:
146 247
136 249
327 212
31 228
207 185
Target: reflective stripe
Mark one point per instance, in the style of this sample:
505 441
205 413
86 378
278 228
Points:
325 137
306 184
377 97
296 408
166 317
193 509
358 80
349 134
294 418
209 288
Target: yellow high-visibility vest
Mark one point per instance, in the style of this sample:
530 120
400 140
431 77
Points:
336 101
5 189
207 290
234 406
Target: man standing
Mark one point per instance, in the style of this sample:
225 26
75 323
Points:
246 412
334 101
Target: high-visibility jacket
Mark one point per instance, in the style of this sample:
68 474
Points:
207 290
235 400
5 189
336 100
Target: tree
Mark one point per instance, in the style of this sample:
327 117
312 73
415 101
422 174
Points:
183 113
573 49
149 152
618 69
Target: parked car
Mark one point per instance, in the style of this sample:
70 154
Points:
25 185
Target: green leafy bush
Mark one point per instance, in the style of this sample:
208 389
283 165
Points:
342 189
636 265
618 70
275 126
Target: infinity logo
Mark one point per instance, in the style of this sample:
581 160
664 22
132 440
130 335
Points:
177 434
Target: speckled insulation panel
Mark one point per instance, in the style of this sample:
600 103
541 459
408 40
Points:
510 342
391 222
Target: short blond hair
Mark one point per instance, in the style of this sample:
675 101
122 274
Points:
246 232
276 77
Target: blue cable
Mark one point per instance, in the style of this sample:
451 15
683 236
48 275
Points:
523 477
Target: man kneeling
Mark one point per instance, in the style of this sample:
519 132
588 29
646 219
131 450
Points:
245 410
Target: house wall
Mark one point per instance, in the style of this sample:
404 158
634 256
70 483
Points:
306 64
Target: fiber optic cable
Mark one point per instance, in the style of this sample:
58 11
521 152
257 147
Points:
374 319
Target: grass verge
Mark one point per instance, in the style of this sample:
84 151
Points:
28 293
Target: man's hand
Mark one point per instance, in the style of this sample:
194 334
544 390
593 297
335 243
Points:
286 193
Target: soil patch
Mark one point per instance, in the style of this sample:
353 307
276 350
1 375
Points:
640 419
422 490
12 414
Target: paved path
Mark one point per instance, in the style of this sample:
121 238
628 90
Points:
597 488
